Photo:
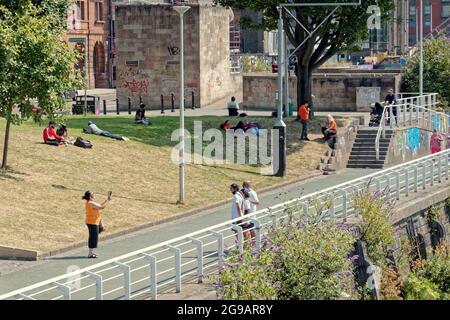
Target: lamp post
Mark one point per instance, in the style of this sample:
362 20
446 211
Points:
181 11
421 50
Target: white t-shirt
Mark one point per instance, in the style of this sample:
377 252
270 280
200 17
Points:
237 199
253 197
247 206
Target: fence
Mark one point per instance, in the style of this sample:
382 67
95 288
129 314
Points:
411 111
145 273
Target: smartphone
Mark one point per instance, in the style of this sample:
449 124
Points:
109 193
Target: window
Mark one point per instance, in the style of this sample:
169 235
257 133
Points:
98 11
80 10
445 10
427 9
412 23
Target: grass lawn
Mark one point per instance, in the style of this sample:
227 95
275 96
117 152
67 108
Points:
40 194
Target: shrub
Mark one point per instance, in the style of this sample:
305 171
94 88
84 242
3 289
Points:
417 288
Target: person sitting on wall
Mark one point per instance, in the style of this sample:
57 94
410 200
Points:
233 108
50 137
140 116
331 128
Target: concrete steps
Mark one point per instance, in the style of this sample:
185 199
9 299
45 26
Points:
363 153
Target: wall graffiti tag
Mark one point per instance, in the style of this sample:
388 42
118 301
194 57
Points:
173 51
136 86
413 140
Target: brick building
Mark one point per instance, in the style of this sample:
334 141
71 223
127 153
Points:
89 31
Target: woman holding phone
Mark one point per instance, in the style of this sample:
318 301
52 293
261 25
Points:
93 220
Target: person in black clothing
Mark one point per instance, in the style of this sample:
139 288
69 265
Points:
392 100
140 115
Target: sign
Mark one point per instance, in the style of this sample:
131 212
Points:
365 96
83 40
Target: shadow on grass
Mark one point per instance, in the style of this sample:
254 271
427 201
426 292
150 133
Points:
61 187
67 258
10 174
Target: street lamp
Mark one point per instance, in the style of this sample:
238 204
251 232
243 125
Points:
421 50
181 11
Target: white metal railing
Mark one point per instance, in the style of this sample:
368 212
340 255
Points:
410 111
144 273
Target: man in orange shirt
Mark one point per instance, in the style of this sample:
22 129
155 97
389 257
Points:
303 113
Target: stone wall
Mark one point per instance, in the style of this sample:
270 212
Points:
148 59
334 90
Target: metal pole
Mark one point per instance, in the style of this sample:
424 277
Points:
421 49
280 65
87 76
286 70
181 11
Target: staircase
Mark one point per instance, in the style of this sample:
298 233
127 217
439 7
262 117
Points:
363 153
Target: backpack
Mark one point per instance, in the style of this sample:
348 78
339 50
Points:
83 143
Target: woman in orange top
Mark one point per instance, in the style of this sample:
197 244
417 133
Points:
93 220
331 127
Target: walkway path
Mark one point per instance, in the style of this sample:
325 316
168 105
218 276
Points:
16 275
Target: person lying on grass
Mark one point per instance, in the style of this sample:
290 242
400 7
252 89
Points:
50 137
93 129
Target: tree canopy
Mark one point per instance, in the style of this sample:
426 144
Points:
436 69
346 26
36 64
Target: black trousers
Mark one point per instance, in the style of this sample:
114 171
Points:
93 235
233 112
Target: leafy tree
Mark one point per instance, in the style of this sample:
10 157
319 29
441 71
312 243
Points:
345 27
35 64
436 68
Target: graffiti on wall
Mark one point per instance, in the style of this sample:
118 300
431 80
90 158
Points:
134 80
136 86
413 140
173 50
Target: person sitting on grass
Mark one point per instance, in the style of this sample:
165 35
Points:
62 131
50 137
140 116
93 129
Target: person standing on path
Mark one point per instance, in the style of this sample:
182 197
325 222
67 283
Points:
237 208
303 113
253 196
93 220
435 142
391 100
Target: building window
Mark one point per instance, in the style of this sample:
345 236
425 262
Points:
80 10
427 9
98 11
445 10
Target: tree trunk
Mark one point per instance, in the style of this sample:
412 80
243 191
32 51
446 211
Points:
5 146
304 84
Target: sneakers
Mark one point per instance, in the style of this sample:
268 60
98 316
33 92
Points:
125 139
92 256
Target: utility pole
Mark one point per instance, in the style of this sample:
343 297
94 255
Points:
421 50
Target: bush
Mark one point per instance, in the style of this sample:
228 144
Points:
311 262
417 288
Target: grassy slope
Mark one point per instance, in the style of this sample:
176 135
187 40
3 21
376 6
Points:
40 197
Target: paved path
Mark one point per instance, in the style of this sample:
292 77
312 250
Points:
16 275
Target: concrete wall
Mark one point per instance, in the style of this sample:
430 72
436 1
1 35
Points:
408 144
335 90
149 36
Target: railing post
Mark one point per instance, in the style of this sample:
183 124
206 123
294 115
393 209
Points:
388 186
98 284
199 245
177 257
117 106
257 226
172 101
432 172
104 107
397 185
66 290
274 219
193 100
126 279
404 115
417 116
162 104
220 244
153 275
377 185
240 236
344 204
416 178
331 210
446 166
439 169
424 175
406 171
391 117
129 105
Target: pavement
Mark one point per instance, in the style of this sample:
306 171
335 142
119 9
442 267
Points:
17 274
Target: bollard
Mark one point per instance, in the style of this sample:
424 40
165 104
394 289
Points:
173 102
117 106
140 100
129 105
193 100
104 107
162 103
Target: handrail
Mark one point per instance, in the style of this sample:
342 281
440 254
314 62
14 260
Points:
341 209
424 102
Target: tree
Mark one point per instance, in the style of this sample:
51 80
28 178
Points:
346 26
436 69
35 64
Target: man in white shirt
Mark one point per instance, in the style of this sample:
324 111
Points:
237 208
254 201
